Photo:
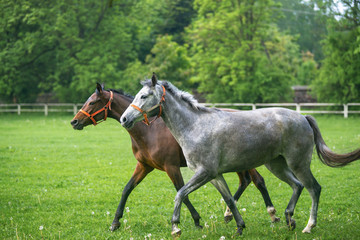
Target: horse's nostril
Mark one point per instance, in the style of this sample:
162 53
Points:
74 122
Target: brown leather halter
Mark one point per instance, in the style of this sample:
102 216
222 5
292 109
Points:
144 113
105 108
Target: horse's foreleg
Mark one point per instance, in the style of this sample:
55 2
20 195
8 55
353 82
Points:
174 174
139 174
244 181
220 184
260 184
199 179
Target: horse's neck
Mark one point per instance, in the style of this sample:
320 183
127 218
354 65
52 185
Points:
178 117
118 107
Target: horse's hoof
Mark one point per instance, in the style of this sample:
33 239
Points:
114 226
176 232
292 224
239 231
198 226
275 220
228 218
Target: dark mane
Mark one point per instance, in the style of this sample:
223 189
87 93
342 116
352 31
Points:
121 92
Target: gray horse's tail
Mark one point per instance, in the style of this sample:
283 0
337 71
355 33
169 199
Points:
327 156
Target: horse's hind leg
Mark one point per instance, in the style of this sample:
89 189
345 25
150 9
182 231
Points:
280 169
220 184
259 182
174 174
314 188
139 174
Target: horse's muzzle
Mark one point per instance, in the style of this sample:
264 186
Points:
76 125
126 123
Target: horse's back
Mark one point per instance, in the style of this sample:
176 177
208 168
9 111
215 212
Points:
248 139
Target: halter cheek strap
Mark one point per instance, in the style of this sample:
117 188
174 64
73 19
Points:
105 108
144 113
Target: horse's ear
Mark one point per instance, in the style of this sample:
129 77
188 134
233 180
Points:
153 79
99 88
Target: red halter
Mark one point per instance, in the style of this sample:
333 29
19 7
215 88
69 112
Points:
105 108
144 113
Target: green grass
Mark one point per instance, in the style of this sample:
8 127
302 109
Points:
70 183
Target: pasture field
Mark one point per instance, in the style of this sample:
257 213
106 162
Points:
58 183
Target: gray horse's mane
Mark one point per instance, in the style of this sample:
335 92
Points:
180 95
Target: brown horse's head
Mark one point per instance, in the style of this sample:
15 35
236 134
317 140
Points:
94 110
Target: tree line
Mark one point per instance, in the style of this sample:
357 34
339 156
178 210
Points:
229 50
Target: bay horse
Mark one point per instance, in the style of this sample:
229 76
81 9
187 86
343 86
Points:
154 148
216 142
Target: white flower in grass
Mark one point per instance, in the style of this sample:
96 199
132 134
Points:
127 209
203 236
11 218
131 238
110 163
41 228
222 200
125 221
92 213
149 235
206 225
222 238
107 213
244 209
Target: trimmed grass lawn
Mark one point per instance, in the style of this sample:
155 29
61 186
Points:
57 183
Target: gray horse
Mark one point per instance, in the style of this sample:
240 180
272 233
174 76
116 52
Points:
216 142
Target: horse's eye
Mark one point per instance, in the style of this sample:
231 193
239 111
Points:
143 96
92 103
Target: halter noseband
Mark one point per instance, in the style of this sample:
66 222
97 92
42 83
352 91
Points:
105 108
144 113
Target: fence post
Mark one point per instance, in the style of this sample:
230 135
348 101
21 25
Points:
18 109
75 109
298 108
346 111
46 109
253 106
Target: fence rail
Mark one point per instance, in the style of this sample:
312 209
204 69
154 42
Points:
313 108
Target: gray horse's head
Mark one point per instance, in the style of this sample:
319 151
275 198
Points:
146 104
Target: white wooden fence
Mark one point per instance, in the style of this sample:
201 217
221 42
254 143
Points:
305 108
308 108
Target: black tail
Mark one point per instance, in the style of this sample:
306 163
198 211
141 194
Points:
327 156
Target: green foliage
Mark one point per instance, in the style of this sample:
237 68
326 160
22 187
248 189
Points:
339 77
230 51
238 55
26 48
300 19
63 46
167 58
70 183
307 71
